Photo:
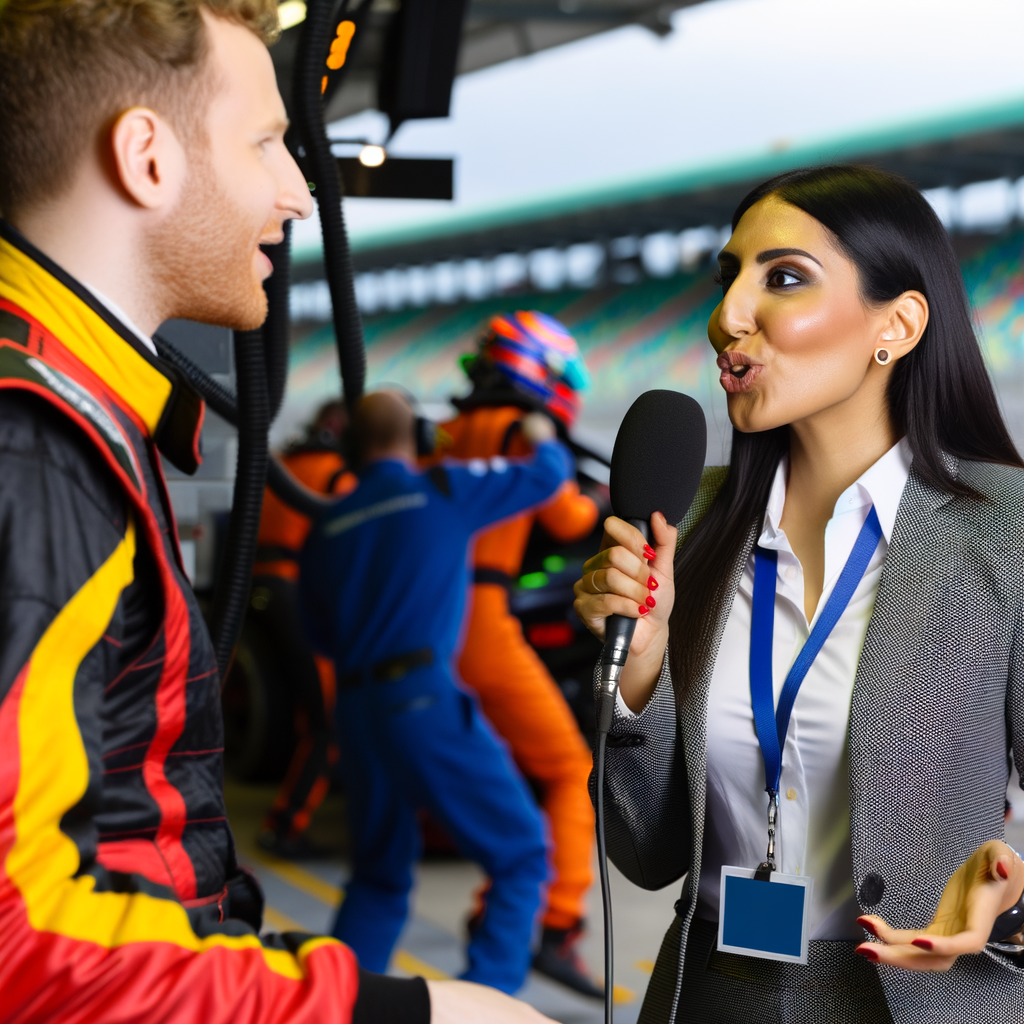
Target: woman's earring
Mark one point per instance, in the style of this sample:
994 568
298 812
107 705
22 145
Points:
881 356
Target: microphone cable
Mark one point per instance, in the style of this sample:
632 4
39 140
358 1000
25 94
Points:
618 636
602 867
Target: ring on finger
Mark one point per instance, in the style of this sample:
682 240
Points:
593 582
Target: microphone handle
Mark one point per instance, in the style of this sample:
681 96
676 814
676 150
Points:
618 635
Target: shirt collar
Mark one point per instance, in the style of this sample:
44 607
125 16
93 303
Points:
880 485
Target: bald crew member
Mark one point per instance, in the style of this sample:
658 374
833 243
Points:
383 584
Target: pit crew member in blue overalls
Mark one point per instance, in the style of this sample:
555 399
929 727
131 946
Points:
383 583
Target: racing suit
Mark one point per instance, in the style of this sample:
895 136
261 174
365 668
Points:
120 896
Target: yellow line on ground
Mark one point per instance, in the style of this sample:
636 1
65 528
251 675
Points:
299 878
281 922
647 966
405 961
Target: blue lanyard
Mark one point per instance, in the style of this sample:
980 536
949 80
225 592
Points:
772 725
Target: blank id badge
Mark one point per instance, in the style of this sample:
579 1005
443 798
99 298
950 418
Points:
764 919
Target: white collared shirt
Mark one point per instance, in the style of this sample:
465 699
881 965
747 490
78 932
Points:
814 812
121 315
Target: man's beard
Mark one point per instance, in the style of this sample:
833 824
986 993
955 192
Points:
202 257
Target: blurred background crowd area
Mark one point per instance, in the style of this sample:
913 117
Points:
646 329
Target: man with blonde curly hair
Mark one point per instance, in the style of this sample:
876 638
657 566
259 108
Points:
142 166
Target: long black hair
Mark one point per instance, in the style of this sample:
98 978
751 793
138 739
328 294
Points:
940 396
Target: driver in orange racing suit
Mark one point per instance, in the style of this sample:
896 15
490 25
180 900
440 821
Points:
529 361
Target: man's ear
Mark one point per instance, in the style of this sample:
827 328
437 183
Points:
908 317
149 161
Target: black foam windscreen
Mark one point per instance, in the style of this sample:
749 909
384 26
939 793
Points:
658 456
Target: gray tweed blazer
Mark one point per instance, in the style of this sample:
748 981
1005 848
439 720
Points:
938 704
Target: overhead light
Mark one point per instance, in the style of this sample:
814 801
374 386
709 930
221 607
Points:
372 156
291 13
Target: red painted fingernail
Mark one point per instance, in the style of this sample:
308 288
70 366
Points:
923 944
643 609
867 926
649 552
868 953
652 583
1003 873
651 602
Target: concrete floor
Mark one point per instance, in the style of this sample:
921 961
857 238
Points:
303 896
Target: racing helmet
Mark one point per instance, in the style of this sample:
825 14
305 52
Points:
538 357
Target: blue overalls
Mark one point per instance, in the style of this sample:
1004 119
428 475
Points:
383 584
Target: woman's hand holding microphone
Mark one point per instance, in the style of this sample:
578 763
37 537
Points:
630 577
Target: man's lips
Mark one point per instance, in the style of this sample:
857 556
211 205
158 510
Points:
739 371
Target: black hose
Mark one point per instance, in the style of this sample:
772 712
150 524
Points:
309 122
234 578
217 397
222 402
275 327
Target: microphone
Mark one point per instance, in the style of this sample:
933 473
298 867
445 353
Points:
656 467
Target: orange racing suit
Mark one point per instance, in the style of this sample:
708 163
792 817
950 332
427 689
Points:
274 610
516 690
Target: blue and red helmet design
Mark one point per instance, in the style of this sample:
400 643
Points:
540 358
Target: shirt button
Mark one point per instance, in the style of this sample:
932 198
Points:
791 793
790 572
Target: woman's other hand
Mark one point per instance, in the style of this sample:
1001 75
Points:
988 883
632 578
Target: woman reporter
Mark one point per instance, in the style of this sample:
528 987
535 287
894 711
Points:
876 498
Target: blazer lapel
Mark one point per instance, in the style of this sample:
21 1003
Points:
693 715
885 683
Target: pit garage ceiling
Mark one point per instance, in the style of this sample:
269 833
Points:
494 31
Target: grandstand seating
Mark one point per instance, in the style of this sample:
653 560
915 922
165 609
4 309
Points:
635 337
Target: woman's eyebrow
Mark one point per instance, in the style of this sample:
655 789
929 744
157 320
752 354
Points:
773 254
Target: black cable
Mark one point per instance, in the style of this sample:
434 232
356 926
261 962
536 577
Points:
310 68
216 396
222 402
231 595
606 892
275 327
